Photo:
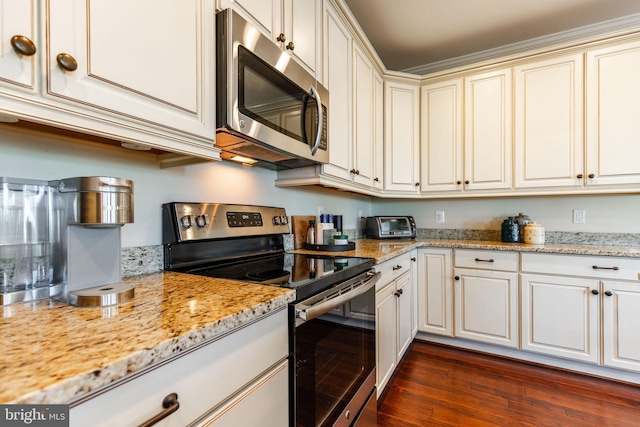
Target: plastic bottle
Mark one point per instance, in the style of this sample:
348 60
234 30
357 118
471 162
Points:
311 233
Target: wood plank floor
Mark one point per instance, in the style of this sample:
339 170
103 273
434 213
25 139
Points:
442 386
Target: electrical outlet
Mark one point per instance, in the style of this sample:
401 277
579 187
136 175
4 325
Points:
579 216
439 217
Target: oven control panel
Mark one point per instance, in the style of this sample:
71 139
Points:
198 221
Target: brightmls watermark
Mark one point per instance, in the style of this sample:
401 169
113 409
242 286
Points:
34 415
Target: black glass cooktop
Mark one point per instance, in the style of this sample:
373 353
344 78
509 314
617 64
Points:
307 274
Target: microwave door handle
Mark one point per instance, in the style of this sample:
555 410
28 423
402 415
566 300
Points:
316 144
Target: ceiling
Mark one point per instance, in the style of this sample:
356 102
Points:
413 33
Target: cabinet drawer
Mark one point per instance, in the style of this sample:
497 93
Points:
486 260
392 269
600 267
202 379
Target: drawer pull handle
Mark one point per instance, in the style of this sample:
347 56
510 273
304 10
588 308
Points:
608 293
170 404
594 291
397 267
484 260
595 267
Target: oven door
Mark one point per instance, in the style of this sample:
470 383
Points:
333 352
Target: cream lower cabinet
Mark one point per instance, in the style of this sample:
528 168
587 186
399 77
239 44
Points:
394 316
239 379
486 296
435 291
582 308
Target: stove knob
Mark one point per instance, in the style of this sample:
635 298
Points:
276 220
186 221
284 219
202 220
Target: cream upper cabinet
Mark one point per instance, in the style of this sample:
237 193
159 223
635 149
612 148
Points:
487 132
17 52
613 103
138 71
378 132
363 115
470 154
549 123
338 68
295 25
402 137
441 136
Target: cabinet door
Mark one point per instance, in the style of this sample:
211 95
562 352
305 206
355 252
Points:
385 335
302 28
402 138
435 292
17 18
487 139
337 78
560 316
266 15
441 136
404 295
150 60
363 135
621 317
613 101
263 403
378 131
486 306
548 123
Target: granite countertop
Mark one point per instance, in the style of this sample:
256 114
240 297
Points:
55 353
384 250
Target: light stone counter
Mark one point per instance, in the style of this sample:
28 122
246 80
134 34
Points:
55 353
384 250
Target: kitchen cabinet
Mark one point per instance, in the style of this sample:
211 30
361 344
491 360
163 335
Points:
413 257
295 25
470 152
238 379
356 133
613 99
566 298
394 316
549 140
18 64
435 291
486 296
402 137
107 73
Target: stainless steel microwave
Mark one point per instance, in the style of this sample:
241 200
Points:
390 227
270 109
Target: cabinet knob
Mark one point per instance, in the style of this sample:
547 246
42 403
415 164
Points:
281 38
170 404
591 175
357 171
457 277
397 267
376 179
417 184
67 62
579 176
413 259
23 45
290 46
352 171
458 182
398 292
594 291
466 182
608 293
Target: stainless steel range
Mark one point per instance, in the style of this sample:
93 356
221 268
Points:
331 322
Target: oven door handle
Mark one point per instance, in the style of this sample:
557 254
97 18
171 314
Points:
323 307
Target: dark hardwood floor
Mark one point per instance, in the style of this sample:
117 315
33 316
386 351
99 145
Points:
442 386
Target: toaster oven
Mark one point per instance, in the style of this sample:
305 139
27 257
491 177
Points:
390 227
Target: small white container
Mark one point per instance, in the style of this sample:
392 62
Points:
340 239
534 233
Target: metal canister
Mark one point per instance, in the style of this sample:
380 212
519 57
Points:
510 232
522 221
